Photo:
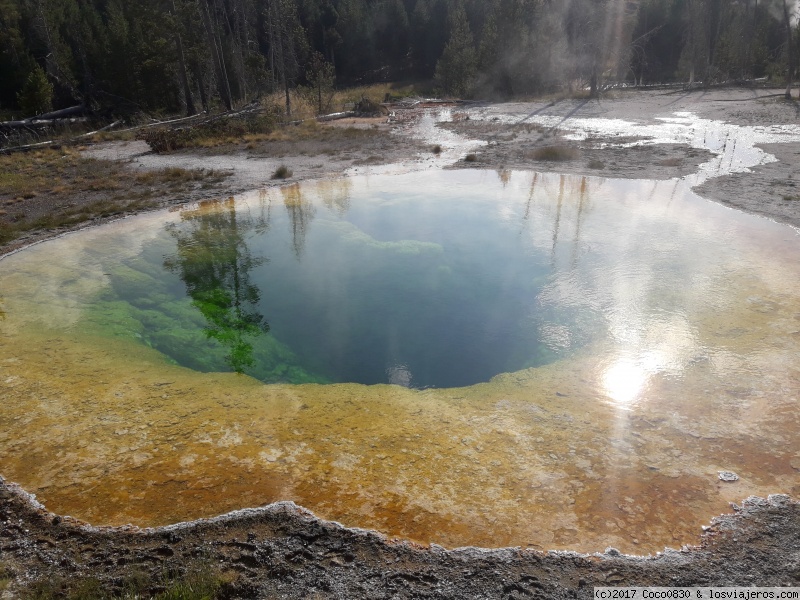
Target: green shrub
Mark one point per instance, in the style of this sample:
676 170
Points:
554 153
163 139
197 584
169 139
282 172
5 573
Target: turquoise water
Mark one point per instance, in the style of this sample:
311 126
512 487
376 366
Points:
416 285
436 279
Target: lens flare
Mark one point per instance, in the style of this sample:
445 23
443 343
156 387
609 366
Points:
624 382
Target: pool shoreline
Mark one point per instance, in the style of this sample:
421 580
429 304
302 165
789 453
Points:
283 550
343 559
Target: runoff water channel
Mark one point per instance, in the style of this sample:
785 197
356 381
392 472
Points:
460 357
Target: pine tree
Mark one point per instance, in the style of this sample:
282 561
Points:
14 56
36 96
321 76
456 69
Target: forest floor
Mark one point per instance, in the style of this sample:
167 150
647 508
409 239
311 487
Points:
283 551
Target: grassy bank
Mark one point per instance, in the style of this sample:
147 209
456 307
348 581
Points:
269 124
58 187
196 583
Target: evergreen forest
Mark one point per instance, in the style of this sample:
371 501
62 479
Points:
186 56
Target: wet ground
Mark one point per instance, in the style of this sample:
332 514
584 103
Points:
736 146
283 551
770 554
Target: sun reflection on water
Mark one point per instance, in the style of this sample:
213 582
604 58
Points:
624 381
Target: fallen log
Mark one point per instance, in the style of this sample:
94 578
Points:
29 147
48 143
40 123
335 116
106 128
14 124
198 119
72 111
49 118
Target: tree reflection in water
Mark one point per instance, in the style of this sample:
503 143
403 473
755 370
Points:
214 262
301 213
335 194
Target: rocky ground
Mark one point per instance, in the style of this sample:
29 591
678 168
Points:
283 551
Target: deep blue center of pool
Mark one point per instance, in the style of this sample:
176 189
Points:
419 280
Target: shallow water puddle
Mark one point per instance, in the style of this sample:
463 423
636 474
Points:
735 147
617 344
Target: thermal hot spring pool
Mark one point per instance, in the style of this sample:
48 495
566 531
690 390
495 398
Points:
459 357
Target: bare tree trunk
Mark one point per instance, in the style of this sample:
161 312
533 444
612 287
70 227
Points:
692 52
747 71
221 52
201 87
698 38
787 22
231 23
222 83
712 42
184 74
243 45
281 49
271 36
187 90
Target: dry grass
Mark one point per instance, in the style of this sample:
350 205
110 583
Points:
218 132
289 139
251 132
671 162
5 573
56 172
532 128
553 153
111 135
201 582
315 139
312 130
55 188
305 107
